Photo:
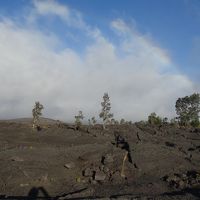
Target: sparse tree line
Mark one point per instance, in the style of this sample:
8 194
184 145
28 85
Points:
187 110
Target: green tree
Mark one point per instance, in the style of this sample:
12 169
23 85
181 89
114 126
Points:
78 120
37 112
105 112
122 121
187 109
154 119
165 120
92 121
112 121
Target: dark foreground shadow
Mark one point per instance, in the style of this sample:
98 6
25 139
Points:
193 191
35 193
39 193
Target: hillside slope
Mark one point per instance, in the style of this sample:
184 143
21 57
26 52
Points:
162 162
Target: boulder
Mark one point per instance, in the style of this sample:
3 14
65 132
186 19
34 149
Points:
99 176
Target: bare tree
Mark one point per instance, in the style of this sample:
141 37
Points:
37 112
105 112
92 122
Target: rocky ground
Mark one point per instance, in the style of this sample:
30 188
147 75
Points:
123 162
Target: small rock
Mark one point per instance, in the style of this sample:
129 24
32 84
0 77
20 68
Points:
44 178
88 172
170 144
106 169
181 184
116 177
94 182
193 181
24 184
184 176
17 159
83 181
101 167
78 179
107 159
69 165
150 184
100 176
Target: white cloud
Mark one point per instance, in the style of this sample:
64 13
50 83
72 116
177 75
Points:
65 81
51 7
47 8
141 47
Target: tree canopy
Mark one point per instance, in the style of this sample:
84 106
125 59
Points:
187 109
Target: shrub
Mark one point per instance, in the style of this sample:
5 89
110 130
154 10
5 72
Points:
112 121
165 120
154 119
174 122
195 123
116 122
122 121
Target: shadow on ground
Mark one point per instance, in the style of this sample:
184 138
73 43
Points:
40 193
193 191
34 194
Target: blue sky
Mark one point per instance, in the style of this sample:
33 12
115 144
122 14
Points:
174 25
132 45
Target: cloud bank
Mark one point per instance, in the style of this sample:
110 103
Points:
139 75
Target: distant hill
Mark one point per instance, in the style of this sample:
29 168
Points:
43 120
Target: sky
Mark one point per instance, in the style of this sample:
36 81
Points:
68 53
